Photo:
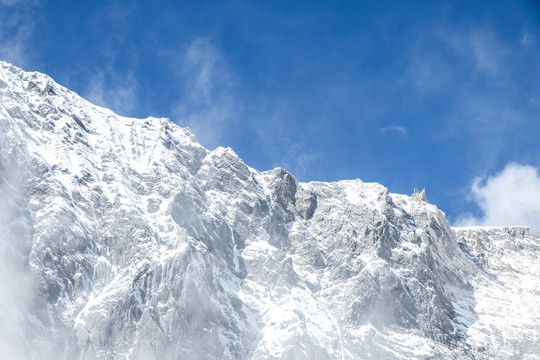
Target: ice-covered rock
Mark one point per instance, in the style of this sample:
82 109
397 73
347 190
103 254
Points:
124 238
506 292
419 195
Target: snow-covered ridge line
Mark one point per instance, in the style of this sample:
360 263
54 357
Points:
485 227
126 239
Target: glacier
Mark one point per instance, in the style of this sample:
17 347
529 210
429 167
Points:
124 238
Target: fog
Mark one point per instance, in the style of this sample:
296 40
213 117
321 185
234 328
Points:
22 336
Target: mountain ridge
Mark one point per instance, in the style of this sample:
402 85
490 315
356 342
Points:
135 242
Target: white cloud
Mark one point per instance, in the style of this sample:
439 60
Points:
208 104
396 129
511 197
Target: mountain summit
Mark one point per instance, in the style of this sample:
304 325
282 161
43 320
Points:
124 238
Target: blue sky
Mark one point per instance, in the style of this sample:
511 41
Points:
441 95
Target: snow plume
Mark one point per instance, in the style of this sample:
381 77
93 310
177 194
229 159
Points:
511 197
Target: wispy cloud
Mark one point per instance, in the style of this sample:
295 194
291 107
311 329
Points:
395 129
480 77
479 50
15 32
465 58
297 160
455 63
9 2
213 104
527 38
208 103
113 90
486 51
511 197
427 72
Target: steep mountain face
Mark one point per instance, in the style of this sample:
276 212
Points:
503 321
124 238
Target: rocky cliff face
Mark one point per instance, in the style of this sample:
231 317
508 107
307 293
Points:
503 320
124 238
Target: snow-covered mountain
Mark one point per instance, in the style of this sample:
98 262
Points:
124 238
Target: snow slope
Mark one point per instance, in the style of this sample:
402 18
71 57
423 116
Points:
124 238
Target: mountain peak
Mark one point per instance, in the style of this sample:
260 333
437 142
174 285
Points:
419 195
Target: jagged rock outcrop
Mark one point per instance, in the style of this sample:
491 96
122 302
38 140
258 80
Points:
126 239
